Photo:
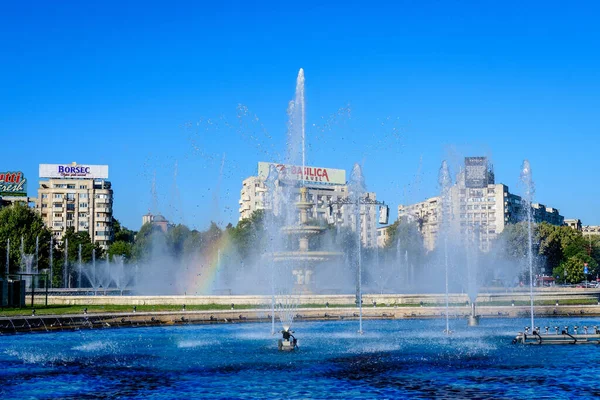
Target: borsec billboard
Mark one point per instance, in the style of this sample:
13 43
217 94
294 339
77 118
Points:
73 171
311 174
476 172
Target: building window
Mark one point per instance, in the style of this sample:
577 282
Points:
83 195
70 186
57 196
82 215
57 215
70 196
44 196
82 187
44 205
83 205
57 205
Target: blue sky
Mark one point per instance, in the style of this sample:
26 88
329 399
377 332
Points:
396 86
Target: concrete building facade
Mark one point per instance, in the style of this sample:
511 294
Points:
574 224
591 230
476 212
382 236
82 202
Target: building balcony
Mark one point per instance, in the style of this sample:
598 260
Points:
103 219
102 201
104 210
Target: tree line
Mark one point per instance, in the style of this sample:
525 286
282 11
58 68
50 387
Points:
559 249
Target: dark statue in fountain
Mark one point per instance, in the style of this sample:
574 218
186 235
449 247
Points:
288 342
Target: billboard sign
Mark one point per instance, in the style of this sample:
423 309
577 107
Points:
13 184
73 171
311 174
476 172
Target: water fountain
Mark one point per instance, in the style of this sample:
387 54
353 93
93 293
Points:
27 268
121 274
51 277
7 271
527 181
445 183
37 254
66 265
295 212
472 250
79 266
357 188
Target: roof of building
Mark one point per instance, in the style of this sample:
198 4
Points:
159 218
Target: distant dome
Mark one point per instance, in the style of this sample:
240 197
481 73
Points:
159 218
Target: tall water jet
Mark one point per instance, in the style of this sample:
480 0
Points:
95 280
51 261
37 254
79 266
22 254
357 189
66 265
472 249
528 192
26 268
270 183
7 258
445 182
107 273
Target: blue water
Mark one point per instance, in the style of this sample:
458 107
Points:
393 359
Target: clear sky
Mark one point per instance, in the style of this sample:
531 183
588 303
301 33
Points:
396 86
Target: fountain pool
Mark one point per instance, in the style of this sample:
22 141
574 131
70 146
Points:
393 359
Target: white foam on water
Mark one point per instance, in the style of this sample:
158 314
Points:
93 346
188 344
375 348
38 357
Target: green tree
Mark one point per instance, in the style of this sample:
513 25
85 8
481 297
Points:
121 233
513 241
571 270
176 238
248 233
148 236
19 221
120 248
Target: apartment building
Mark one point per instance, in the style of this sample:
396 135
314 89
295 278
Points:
76 196
480 208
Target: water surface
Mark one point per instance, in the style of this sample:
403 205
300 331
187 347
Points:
393 359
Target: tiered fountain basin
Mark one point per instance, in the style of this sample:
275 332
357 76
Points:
298 257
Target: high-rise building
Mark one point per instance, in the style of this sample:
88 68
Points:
325 187
478 204
76 196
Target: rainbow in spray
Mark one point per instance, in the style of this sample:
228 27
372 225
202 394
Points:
205 267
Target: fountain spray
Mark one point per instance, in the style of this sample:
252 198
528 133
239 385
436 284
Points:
66 265
51 259
357 189
7 258
79 266
445 183
527 181
94 271
37 254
